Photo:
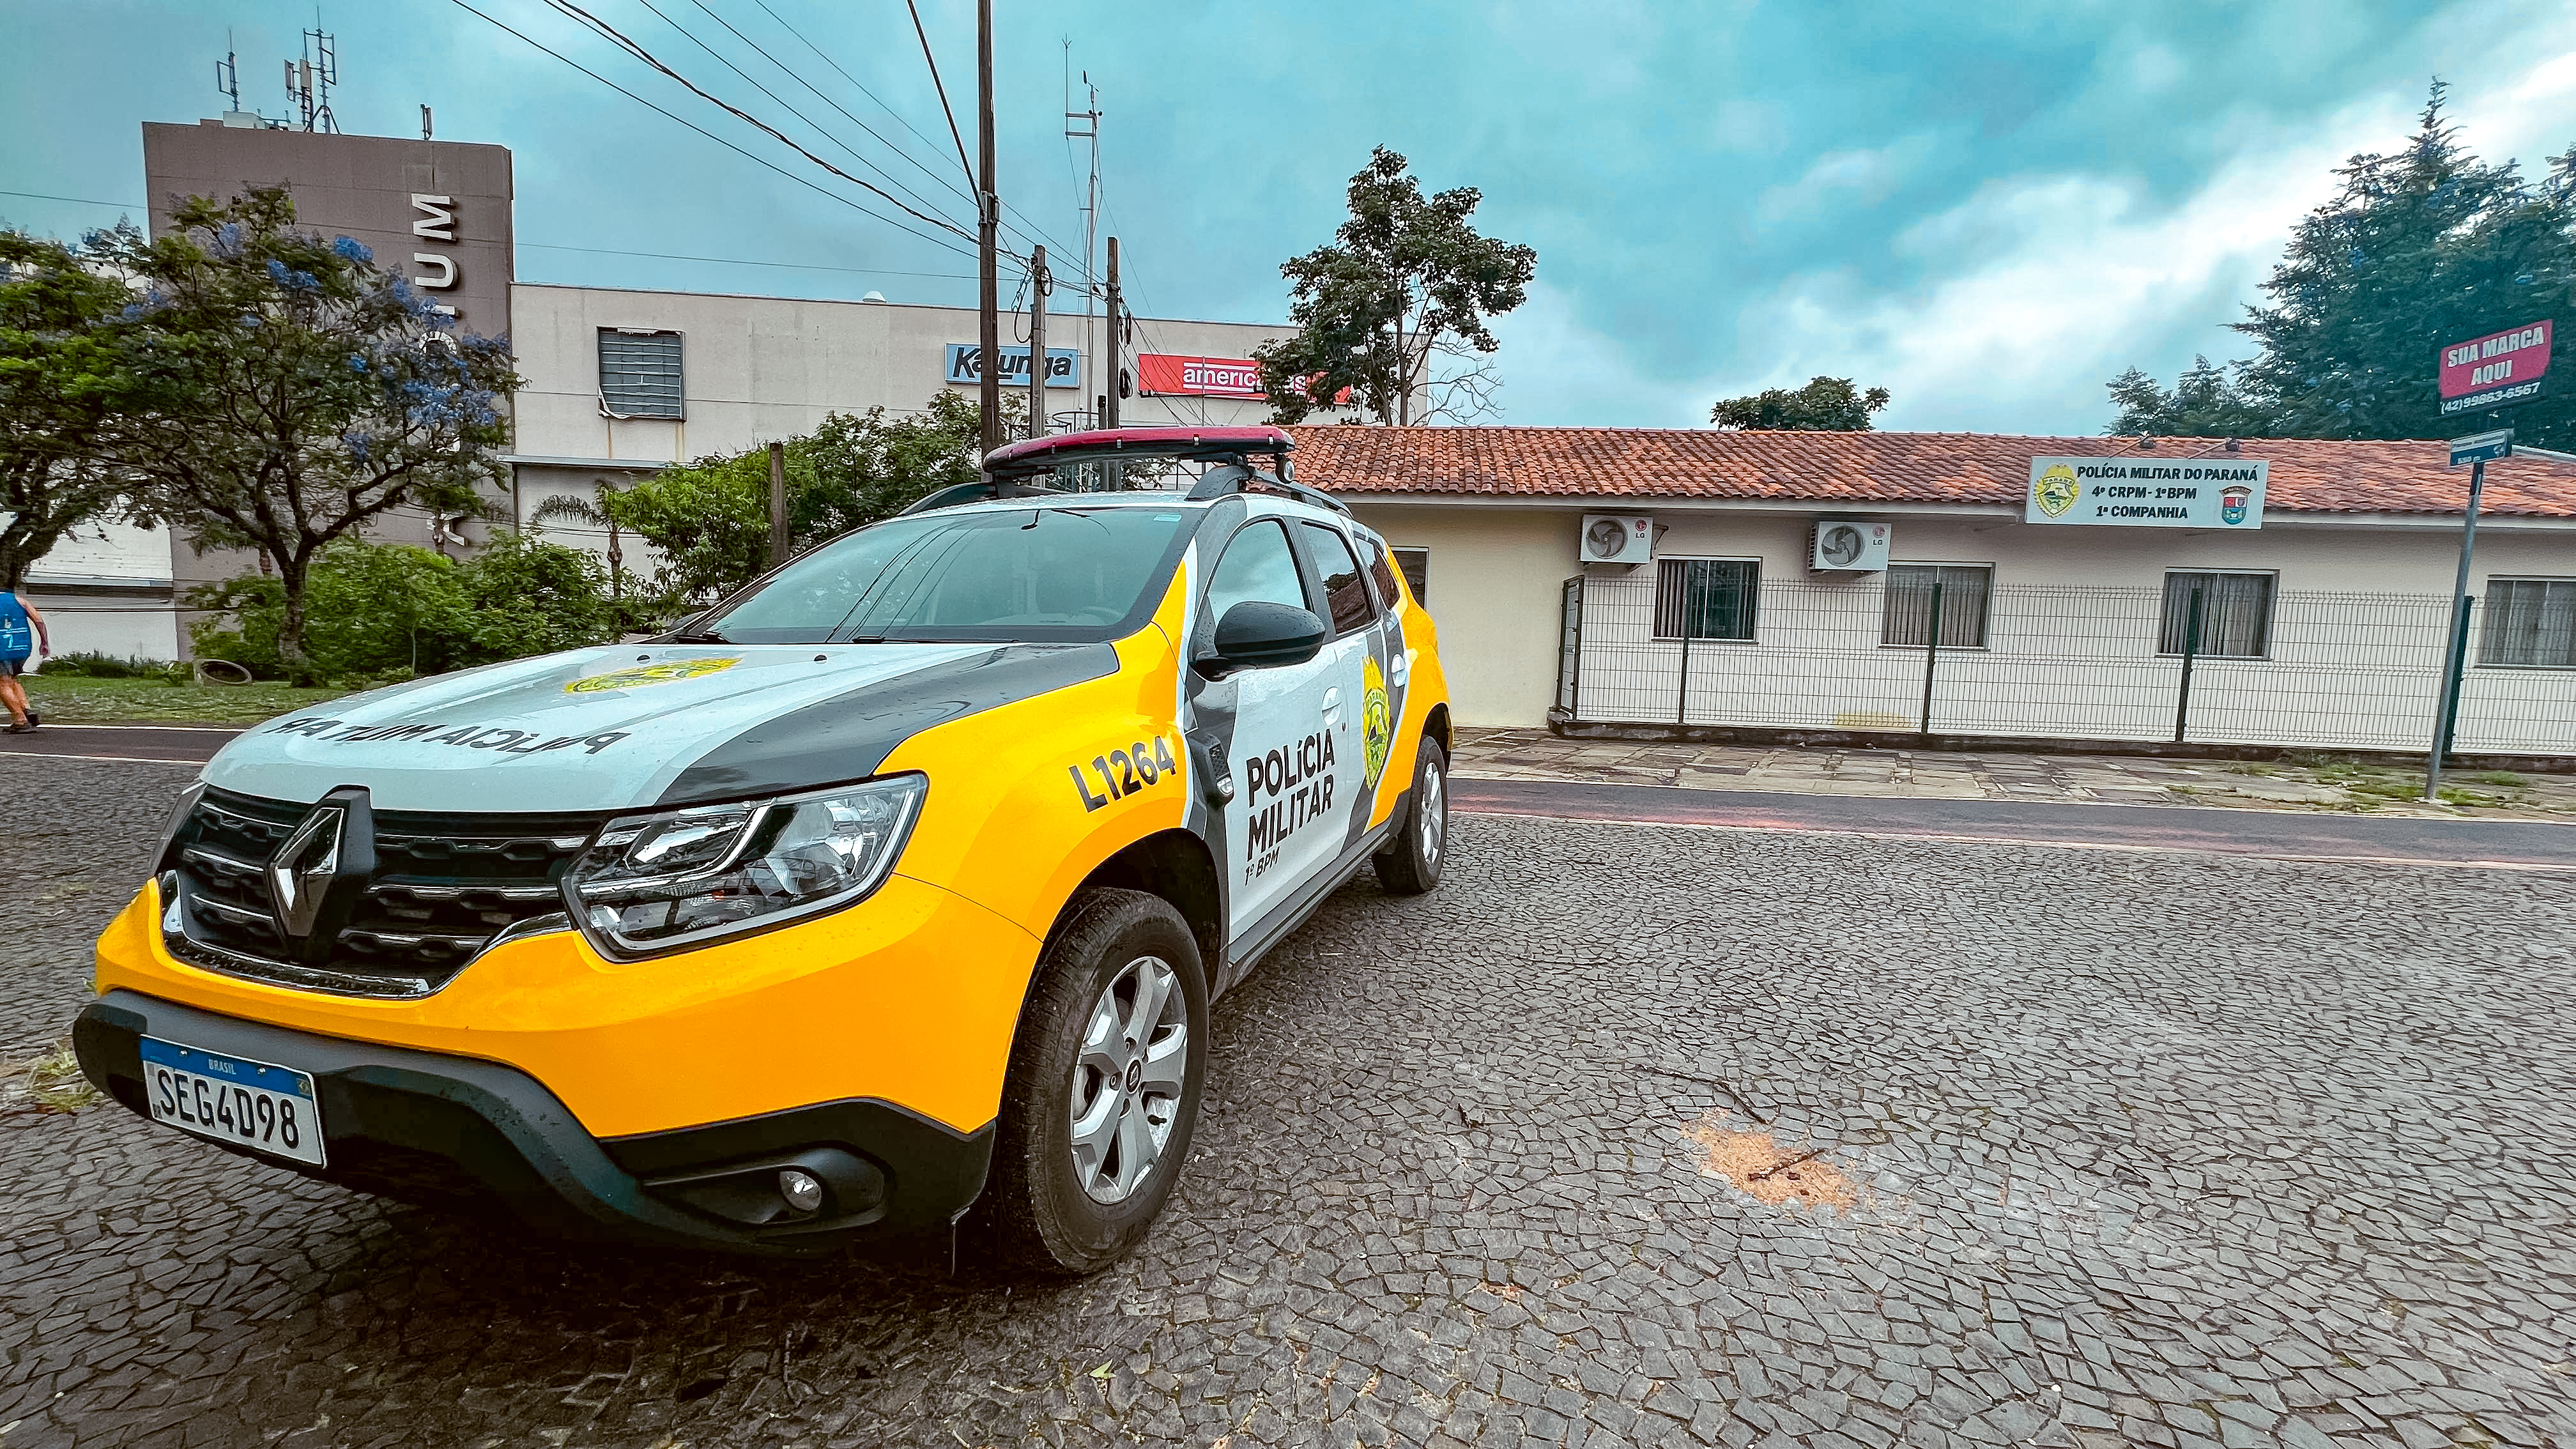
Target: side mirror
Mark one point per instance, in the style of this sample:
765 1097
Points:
1257 635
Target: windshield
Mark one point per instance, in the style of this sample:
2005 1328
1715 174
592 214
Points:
1037 575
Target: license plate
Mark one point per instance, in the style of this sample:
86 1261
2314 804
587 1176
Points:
248 1104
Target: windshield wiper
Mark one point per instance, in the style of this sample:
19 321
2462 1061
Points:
701 638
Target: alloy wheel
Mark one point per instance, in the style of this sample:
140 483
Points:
1127 1081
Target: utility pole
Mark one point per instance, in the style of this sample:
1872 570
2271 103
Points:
1038 280
988 222
777 504
1109 376
1088 130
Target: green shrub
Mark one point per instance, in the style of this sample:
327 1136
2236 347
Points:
378 613
92 665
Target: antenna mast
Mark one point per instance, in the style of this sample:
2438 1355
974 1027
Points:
309 81
1087 129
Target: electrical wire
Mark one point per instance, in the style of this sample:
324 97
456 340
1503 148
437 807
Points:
887 141
942 87
846 148
738 262
619 39
805 182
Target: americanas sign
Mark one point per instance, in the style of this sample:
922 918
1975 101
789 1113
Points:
2500 370
1166 372
2126 492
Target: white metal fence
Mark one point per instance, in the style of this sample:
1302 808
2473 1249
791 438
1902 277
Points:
2339 670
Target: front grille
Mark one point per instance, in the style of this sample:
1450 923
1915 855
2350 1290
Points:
445 887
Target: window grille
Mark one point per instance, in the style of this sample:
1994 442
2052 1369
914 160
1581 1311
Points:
1908 616
639 373
2530 624
1706 598
2235 614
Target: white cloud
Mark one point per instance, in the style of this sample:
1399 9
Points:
1558 367
1843 181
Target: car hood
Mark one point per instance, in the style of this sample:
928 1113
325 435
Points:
617 728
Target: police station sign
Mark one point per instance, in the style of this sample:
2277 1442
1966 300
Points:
2500 370
2139 492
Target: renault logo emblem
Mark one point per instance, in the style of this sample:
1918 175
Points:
300 874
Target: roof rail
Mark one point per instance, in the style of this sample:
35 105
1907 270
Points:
1236 478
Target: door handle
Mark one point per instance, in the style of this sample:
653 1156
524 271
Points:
1332 702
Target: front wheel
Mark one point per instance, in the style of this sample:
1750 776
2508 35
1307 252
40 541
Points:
1410 864
1103 1088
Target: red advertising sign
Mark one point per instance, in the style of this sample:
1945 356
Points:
2498 370
1167 372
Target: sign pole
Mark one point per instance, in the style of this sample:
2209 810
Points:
2455 659
2190 651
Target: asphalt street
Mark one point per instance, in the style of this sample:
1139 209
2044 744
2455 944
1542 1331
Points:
2109 1147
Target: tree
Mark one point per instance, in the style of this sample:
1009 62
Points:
1824 405
1404 281
292 392
2208 401
61 379
2419 247
710 519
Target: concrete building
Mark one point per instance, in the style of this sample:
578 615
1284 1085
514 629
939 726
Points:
2323 626
619 382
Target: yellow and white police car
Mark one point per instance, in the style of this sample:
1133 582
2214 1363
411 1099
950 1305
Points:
893 888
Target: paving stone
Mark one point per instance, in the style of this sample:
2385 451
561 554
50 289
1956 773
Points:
2180 1146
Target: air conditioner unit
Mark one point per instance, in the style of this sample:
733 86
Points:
1611 538
1849 545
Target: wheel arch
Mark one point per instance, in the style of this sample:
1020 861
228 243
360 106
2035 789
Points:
1436 725
1175 865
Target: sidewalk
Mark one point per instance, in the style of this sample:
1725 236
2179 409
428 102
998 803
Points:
2326 784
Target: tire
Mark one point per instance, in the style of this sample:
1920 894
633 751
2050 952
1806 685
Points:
1067 1196
1411 863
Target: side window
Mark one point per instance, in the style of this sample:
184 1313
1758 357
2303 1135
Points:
1257 566
1344 590
1416 563
1382 572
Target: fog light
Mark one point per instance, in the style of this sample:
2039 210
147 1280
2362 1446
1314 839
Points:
803 1190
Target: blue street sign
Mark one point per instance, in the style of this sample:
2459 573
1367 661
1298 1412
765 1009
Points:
2482 447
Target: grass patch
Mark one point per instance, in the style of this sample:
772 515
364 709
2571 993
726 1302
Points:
2506 778
52 1083
2252 768
78 699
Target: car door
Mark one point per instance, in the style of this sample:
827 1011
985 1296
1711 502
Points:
1281 752
1352 613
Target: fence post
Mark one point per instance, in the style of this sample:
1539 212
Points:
1931 655
1681 701
2459 672
2190 651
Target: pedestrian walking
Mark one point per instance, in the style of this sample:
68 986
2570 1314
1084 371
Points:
22 633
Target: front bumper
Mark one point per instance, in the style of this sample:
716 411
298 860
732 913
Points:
427 1126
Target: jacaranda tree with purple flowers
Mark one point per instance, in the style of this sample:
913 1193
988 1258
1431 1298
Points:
292 391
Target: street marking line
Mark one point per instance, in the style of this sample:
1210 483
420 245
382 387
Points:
172 728
1466 808
7 754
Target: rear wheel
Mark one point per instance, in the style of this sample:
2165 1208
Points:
1104 1087
1410 865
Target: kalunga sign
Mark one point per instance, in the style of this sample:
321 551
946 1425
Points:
2501 369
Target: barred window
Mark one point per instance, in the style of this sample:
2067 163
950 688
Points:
2531 624
2235 614
1964 588
1416 565
639 373
1706 598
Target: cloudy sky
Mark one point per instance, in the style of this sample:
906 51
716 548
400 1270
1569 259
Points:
1988 208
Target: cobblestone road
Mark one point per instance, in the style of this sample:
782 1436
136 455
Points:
2148 1149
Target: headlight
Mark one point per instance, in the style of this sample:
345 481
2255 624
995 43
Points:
662 882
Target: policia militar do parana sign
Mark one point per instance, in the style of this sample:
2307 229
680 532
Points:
2142 492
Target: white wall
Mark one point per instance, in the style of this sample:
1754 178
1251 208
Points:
104 588
2358 604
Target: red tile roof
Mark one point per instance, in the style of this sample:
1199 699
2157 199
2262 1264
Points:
2307 475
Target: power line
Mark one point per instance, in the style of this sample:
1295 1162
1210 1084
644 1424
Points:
81 200
887 141
942 87
740 262
712 136
619 39
846 148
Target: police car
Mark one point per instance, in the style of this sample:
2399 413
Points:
893 889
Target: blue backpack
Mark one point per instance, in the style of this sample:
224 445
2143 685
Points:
17 636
